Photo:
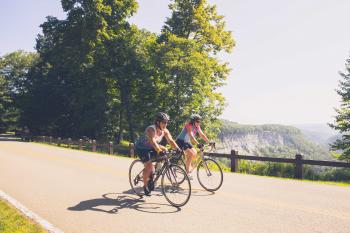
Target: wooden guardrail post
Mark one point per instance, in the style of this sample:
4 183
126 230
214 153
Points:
298 166
234 161
59 141
94 145
80 144
50 139
131 150
110 148
69 142
44 139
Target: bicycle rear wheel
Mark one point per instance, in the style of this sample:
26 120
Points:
176 186
209 174
136 177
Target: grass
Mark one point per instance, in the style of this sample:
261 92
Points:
12 221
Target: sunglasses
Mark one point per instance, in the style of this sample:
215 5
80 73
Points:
165 122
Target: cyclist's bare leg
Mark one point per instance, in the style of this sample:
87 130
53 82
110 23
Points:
147 172
190 155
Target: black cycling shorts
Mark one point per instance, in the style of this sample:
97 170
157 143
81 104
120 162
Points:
183 145
146 154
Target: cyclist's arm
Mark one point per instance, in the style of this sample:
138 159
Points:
152 140
203 136
170 139
192 138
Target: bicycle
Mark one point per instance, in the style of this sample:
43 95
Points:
175 184
209 172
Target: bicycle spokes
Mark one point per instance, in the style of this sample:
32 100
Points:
176 189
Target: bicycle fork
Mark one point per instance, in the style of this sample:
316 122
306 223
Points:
205 164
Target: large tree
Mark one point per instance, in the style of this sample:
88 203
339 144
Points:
71 82
189 71
14 68
342 119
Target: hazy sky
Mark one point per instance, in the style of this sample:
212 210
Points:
285 64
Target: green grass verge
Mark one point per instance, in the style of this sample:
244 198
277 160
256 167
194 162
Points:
12 221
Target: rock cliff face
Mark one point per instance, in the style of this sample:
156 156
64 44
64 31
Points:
269 140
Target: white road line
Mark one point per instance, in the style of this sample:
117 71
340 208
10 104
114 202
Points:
45 224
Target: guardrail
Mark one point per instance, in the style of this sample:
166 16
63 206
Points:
298 161
88 144
234 157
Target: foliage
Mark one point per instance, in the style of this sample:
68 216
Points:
342 120
14 68
188 72
99 76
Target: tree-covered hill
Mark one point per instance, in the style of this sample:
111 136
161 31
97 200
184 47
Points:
269 140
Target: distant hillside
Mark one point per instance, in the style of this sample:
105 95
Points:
269 140
319 133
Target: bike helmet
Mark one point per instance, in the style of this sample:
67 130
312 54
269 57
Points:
195 117
161 116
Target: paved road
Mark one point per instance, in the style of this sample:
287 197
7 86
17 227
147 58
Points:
88 192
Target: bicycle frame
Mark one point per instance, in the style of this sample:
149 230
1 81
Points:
164 168
201 154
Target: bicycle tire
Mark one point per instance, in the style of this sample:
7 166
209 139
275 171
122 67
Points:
213 169
173 185
136 177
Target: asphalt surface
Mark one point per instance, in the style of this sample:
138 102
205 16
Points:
88 192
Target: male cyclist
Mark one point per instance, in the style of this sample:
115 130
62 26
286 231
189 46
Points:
187 136
147 147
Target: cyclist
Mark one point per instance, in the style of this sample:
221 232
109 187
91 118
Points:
187 136
148 147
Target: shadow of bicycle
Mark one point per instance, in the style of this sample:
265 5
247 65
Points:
112 203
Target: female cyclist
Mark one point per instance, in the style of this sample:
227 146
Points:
187 136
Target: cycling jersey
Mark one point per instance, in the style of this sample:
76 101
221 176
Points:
143 142
184 134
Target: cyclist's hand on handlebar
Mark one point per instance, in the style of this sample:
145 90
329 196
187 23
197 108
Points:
212 144
162 153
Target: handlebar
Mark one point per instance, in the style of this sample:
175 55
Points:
210 145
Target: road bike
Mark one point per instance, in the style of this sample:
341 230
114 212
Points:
175 184
209 172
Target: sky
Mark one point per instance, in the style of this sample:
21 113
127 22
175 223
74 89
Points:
284 66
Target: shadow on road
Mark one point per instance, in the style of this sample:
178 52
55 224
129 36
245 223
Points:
119 201
201 192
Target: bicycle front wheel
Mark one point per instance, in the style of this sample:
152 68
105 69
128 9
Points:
136 177
176 186
209 174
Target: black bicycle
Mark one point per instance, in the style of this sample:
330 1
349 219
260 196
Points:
209 172
175 184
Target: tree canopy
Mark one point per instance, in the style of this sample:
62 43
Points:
342 119
100 76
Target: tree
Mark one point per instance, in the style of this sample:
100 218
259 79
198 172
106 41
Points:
342 120
71 83
189 74
198 21
14 68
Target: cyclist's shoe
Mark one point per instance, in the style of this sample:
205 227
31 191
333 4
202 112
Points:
200 145
150 185
147 191
190 177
